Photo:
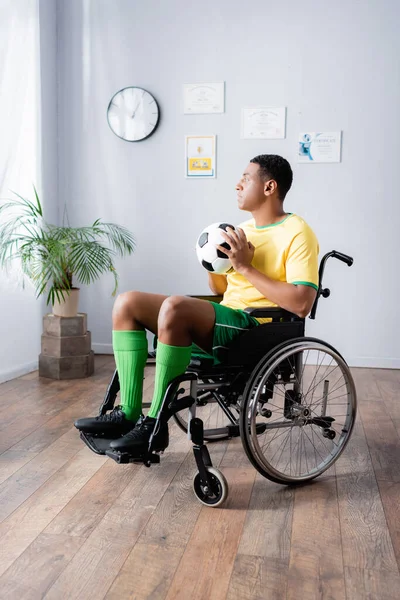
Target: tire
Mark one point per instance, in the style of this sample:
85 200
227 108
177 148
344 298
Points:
309 422
218 495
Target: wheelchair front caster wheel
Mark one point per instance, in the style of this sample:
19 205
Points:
219 488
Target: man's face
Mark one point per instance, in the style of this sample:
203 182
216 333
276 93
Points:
250 189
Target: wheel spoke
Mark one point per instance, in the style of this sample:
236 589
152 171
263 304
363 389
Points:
302 372
299 450
276 436
338 388
325 376
292 452
274 405
319 366
315 448
278 449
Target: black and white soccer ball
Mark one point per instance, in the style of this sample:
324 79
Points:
210 257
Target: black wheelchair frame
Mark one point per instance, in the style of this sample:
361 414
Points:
257 363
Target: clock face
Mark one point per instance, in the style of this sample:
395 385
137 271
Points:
133 114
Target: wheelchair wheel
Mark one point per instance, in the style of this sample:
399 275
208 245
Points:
219 492
217 424
304 396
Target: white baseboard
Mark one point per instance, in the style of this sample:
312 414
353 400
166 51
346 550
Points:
370 362
18 371
107 348
373 362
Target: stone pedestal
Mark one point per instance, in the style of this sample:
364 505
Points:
66 348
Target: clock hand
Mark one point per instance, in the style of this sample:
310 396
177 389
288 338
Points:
134 112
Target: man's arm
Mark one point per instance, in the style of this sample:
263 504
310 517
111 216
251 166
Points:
297 299
217 283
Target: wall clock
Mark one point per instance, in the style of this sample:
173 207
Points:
133 114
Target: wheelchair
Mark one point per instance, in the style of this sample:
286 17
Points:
290 398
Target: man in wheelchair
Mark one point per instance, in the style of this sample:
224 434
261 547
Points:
275 263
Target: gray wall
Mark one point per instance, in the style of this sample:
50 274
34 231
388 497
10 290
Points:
334 65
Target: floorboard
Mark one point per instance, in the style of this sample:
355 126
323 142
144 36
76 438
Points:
75 525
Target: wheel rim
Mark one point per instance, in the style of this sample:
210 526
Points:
211 496
310 384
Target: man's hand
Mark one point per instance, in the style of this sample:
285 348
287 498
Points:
241 252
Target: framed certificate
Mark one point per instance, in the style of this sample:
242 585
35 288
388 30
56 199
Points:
202 98
317 147
200 160
263 123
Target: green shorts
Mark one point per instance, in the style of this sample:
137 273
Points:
230 323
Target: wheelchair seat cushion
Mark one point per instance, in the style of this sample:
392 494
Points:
249 348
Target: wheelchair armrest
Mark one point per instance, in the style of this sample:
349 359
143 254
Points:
273 312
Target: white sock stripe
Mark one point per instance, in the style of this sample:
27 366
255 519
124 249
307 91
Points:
232 327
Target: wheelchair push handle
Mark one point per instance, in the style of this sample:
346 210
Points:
343 257
325 292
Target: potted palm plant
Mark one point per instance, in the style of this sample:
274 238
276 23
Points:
56 257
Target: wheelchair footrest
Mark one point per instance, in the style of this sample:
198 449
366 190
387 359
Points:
99 445
123 458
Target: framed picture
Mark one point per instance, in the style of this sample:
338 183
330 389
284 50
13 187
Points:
317 147
203 98
263 123
200 156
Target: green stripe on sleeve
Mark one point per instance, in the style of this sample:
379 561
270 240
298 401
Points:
308 283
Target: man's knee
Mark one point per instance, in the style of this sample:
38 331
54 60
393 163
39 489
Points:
173 311
125 303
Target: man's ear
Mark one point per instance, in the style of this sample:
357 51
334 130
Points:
270 187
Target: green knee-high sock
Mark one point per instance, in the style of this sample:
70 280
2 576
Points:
130 352
171 361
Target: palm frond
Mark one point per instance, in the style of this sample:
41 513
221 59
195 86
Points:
38 202
27 206
89 260
119 237
50 255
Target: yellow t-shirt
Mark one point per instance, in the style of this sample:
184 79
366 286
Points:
285 251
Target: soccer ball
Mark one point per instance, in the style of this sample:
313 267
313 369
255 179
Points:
210 257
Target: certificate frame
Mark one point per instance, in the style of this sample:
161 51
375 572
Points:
200 156
263 123
319 147
204 98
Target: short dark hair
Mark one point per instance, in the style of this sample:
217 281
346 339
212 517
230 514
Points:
275 167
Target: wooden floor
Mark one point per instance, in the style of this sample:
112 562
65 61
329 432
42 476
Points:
77 525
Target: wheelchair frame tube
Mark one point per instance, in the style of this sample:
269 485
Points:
211 386
325 398
192 409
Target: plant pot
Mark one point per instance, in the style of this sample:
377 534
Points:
69 306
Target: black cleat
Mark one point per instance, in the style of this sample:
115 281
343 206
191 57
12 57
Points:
113 424
137 440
